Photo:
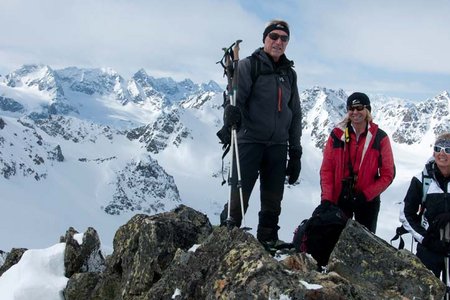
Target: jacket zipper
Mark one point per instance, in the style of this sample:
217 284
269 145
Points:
280 94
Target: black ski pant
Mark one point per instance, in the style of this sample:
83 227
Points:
269 163
432 260
366 214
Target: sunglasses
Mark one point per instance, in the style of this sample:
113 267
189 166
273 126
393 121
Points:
438 149
275 36
357 107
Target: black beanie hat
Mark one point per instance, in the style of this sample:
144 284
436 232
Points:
358 98
275 26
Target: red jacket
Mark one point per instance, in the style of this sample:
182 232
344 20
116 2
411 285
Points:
371 159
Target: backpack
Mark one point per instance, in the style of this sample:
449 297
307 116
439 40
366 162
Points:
319 234
399 231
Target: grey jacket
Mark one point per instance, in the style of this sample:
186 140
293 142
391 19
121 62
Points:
271 105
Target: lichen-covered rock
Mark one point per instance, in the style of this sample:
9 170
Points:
144 248
230 264
11 259
178 255
86 257
378 270
81 285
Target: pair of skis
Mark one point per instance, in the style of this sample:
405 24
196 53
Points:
229 62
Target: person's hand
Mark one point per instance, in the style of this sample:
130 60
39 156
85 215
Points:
232 117
441 220
294 165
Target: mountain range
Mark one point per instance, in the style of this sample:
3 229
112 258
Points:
86 147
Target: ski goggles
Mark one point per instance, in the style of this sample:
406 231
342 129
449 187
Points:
438 149
275 36
357 107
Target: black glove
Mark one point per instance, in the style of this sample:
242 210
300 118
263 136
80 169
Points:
294 165
232 116
224 135
359 199
441 220
435 245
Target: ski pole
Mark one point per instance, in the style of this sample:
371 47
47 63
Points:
228 72
230 65
233 129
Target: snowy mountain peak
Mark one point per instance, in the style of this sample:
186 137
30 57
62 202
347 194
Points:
43 86
89 81
408 122
211 86
322 108
444 96
40 77
168 90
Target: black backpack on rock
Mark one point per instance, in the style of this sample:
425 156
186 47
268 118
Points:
319 234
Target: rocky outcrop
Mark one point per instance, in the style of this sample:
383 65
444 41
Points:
82 257
9 104
167 129
11 259
379 271
179 255
144 186
144 248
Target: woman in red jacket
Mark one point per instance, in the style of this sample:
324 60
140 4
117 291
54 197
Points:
358 164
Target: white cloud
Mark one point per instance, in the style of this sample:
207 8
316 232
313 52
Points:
402 35
164 37
338 44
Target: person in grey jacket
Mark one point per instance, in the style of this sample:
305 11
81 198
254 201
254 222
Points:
269 115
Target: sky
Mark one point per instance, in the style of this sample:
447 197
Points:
395 48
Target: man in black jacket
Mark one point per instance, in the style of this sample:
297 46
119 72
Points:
268 107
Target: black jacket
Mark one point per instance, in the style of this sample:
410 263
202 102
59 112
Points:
437 201
271 105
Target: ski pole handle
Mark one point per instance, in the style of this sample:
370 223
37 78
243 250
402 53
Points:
236 50
235 67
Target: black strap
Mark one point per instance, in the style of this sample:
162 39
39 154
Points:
347 142
255 72
398 235
255 68
226 149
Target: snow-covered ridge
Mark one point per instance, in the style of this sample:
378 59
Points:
86 147
69 90
408 122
